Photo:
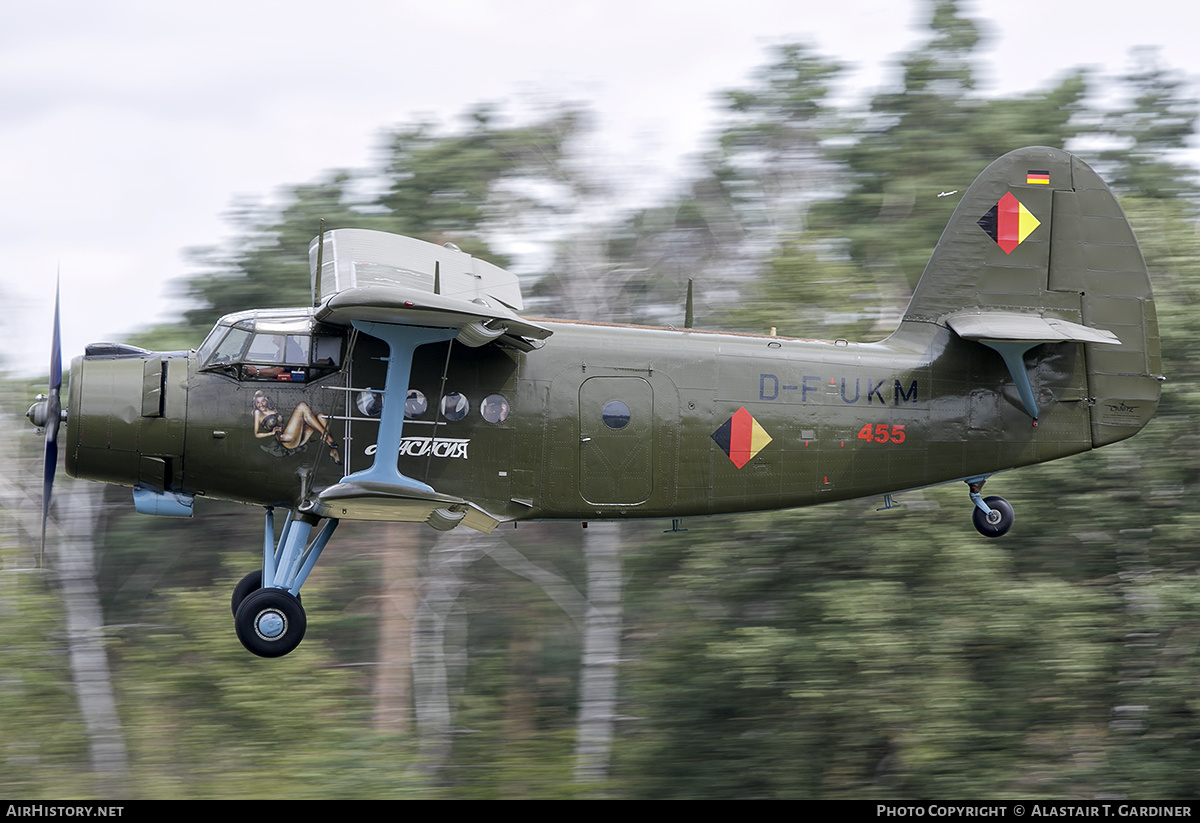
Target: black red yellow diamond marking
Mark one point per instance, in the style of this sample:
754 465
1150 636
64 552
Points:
741 437
1008 223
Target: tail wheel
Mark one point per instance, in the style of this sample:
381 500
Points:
998 522
270 622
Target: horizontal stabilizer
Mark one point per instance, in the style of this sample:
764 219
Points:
1028 328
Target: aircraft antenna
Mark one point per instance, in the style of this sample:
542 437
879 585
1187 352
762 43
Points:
437 276
316 275
689 314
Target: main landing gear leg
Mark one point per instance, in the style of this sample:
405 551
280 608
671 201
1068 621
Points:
993 516
267 614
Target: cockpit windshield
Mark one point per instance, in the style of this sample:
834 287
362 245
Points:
266 346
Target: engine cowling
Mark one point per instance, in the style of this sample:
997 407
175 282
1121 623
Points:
127 416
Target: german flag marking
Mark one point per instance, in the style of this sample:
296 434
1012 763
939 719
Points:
740 437
1008 223
1037 177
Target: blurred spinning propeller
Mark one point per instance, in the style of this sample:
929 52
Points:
46 414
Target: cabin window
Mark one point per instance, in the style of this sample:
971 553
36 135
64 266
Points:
615 414
415 404
370 402
494 408
455 406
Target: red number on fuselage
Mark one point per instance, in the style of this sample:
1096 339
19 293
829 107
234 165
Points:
882 433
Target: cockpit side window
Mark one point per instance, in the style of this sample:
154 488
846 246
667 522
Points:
266 348
296 349
327 351
279 350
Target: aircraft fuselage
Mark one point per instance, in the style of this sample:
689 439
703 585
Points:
700 423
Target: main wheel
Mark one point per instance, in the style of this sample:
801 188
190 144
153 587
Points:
270 622
998 522
250 583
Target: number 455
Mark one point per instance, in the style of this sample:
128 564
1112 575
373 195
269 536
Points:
882 433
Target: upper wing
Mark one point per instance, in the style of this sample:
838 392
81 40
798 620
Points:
478 322
386 278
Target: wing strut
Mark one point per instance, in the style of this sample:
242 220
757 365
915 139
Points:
402 343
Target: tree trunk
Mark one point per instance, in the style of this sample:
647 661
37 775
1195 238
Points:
397 613
440 587
73 557
601 652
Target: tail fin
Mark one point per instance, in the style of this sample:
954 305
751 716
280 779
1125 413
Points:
1040 251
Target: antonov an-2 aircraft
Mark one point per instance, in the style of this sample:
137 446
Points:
411 390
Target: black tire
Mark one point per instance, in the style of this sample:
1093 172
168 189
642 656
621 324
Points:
270 622
250 583
1000 521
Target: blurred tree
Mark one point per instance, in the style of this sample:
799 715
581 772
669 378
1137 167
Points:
835 653
459 187
214 721
931 137
266 266
771 163
44 741
753 189
1156 123
76 612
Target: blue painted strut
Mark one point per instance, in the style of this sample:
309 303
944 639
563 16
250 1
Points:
402 342
1014 358
288 565
977 497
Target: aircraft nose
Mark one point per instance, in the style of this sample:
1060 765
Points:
39 412
43 411
128 411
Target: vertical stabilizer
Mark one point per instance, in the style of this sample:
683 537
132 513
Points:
1040 251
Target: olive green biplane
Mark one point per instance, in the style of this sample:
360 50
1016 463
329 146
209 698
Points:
412 390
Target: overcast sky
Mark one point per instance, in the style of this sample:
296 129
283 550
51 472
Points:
128 129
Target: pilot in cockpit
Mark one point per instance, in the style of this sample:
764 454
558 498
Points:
268 348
